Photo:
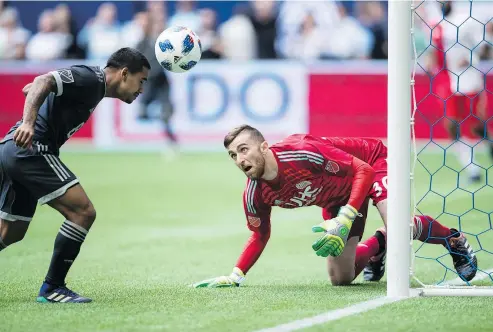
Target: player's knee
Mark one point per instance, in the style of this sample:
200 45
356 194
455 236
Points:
341 280
85 216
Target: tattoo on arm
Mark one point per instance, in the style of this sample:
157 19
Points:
38 91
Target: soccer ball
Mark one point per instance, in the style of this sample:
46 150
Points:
178 49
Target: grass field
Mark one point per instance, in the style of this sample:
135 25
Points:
164 225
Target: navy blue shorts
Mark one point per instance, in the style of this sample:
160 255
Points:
28 177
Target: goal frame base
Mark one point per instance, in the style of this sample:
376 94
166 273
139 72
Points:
453 291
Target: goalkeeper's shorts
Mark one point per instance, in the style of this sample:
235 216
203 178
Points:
378 191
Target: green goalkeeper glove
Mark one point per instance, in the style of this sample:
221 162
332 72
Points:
336 232
233 280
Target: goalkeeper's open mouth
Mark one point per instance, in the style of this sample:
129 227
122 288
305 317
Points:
247 168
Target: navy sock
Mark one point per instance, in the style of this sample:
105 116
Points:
67 246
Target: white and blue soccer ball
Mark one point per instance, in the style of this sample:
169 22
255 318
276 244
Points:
178 49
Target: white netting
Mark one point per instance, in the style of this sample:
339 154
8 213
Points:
452 87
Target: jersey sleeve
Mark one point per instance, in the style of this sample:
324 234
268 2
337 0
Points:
258 221
257 213
78 82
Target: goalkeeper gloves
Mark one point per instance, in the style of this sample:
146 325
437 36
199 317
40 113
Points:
233 280
336 231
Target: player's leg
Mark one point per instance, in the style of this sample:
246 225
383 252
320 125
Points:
48 180
17 205
12 232
345 268
167 112
428 230
458 110
480 129
341 268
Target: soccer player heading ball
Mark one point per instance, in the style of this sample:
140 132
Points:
340 175
57 105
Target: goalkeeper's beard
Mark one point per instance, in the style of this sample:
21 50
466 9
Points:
258 168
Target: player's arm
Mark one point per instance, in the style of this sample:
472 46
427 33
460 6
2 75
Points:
36 93
258 221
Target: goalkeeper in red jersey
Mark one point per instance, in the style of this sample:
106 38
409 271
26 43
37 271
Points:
340 175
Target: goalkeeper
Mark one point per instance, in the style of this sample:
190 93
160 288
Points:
340 175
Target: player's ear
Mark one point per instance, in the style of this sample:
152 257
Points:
125 73
264 147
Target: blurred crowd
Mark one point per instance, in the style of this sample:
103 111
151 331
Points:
303 30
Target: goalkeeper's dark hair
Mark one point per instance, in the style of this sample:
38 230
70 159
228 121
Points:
130 58
254 133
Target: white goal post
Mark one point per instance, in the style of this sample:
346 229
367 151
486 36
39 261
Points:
400 148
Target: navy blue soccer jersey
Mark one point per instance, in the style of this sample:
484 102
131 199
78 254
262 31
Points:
79 89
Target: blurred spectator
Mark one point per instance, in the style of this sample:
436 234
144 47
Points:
186 15
488 52
65 24
157 88
13 37
237 36
373 16
310 43
264 18
292 15
349 39
211 45
47 43
101 34
133 31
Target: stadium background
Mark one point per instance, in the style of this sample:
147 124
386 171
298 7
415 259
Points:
284 67
317 67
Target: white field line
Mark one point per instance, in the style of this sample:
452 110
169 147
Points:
360 307
333 315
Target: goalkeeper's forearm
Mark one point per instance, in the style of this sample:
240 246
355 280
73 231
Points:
363 178
252 251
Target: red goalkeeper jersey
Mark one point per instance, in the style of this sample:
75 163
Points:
311 171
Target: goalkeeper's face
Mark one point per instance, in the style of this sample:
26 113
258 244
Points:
249 155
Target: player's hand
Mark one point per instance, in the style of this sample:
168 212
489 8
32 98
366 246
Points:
233 280
25 90
23 135
336 231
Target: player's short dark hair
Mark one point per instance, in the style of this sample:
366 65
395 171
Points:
130 58
254 133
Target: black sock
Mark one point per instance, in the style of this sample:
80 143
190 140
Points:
381 241
67 247
2 245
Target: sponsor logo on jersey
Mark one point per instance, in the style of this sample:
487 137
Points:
303 184
305 197
254 221
332 167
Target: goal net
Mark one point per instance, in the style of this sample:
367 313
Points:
451 144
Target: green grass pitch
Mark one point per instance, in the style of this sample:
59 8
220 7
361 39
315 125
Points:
164 225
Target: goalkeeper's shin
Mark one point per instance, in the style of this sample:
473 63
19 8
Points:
336 232
233 280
